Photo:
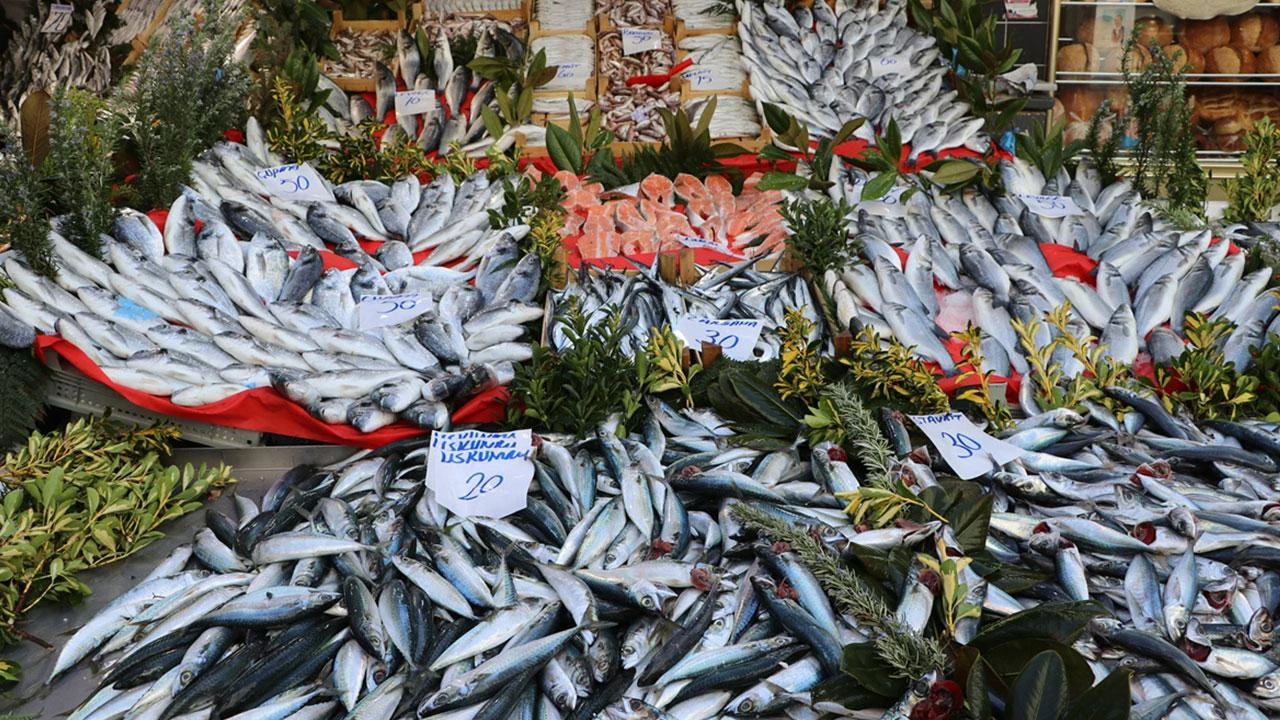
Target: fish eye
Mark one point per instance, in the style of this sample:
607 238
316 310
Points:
185 678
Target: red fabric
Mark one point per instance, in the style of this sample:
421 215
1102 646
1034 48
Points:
233 135
265 410
1069 262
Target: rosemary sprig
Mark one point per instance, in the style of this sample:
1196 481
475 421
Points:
863 433
906 653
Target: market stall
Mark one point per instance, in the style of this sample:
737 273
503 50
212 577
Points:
696 360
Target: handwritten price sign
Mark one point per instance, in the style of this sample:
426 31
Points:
737 338
638 40
480 474
700 78
415 102
573 71
1050 206
375 311
968 450
889 65
59 20
295 181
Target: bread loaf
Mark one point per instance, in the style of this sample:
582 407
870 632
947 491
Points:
1229 61
1268 61
1184 58
1153 30
1076 57
1255 32
1205 35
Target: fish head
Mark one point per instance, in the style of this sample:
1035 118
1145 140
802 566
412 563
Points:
1268 686
651 595
1176 618
1260 631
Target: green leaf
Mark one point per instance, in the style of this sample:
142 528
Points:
773 152
846 130
575 123
865 665
954 172
492 123
704 122
1108 700
879 186
774 180
33 120
777 118
847 692
1008 660
977 704
1040 692
1060 621
564 152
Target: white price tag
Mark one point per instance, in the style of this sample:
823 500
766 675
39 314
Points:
1051 206
968 450
699 78
414 102
638 40
639 115
695 242
375 311
480 474
889 65
295 181
59 19
573 71
737 338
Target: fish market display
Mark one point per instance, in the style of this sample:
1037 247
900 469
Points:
748 224
702 14
34 60
721 57
634 13
825 68
970 258
358 51
564 15
201 315
135 18
736 292
628 110
622 588
434 7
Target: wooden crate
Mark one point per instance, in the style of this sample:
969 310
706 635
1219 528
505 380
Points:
420 12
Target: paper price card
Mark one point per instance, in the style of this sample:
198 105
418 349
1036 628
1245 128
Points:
415 102
295 181
695 242
59 19
889 65
1050 206
573 71
480 474
699 78
639 115
968 450
375 311
638 40
736 338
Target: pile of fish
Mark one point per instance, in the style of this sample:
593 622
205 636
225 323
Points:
734 117
634 13
469 6
973 258
33 59
825 67
622 590
629 111
646 302
568 50
358 50
1172 528
199 315
615 225
702 14
721 57
564 14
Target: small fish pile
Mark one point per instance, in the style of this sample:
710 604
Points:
435 7
358 50
135 18
748 224
973 258
622 588
702 14
1172 528
628 110
737 292
825 68
634 13
564 15
720 56
35 60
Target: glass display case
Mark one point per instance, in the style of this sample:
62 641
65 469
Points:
1232 66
